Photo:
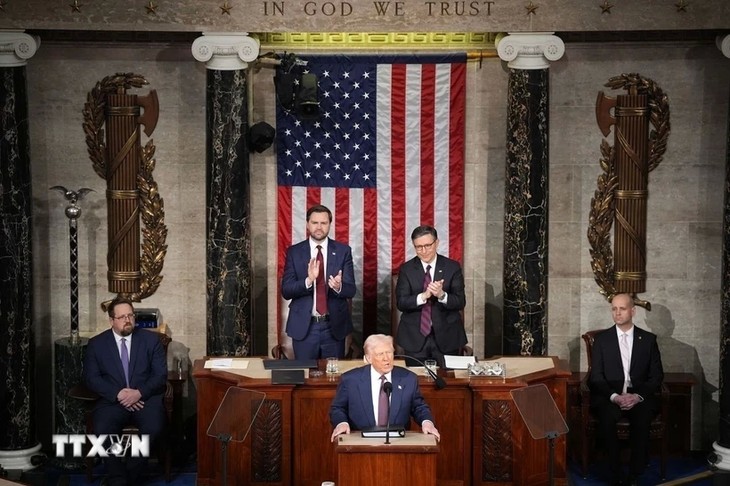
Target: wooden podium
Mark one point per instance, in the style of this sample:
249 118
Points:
406 460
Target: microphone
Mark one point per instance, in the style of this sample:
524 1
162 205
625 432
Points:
440 382
388 389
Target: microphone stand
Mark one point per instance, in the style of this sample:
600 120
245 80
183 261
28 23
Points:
440 382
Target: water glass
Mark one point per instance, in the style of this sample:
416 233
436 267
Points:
333 366
431 365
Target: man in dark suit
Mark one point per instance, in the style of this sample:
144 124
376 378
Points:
127 368
430 295
319 279
626 374
358 403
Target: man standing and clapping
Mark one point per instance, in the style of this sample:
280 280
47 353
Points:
430 294
319 279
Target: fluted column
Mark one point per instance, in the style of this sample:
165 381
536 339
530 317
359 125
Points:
526 190
17 398
228 224
722 446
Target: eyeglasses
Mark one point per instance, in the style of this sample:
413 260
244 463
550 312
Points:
124 317
424 247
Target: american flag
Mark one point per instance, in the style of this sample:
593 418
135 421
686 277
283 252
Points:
385 155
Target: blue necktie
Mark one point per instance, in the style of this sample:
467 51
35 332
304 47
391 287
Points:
125 360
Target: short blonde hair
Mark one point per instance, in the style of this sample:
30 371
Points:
375 339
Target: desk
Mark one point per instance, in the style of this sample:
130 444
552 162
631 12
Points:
483 438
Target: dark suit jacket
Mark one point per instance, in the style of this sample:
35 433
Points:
293 287
448 325
607 375
353 402
103 373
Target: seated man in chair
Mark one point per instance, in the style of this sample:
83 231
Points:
626 374
127 368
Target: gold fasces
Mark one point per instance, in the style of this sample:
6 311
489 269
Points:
622 191
132 193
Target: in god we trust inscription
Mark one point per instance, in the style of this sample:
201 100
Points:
381 8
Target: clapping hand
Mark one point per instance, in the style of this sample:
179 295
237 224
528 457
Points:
335 282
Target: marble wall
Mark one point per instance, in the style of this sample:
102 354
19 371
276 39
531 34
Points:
685 202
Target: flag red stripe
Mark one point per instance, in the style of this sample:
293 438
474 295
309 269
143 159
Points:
398 163
370 264
285 225
456 160
342 210
428 78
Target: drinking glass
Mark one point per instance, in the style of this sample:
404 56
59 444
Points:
332 366
431 365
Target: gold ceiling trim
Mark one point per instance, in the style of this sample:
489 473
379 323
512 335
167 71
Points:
380 41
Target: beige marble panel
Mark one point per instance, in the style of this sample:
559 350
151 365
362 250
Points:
362 16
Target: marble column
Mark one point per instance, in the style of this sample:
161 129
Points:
722 446
528 57
17 422
229 278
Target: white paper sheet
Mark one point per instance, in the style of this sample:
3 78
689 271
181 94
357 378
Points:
458 362
226 364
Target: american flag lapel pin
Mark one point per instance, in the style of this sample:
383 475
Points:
400 387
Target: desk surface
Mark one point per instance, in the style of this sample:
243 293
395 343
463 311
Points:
517 367
484 441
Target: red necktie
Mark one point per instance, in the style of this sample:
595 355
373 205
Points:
426 310
321 289
383 404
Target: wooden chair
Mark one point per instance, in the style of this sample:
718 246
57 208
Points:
658 429
164 449
395 319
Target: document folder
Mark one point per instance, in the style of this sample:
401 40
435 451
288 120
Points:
379 432
287 377
289 364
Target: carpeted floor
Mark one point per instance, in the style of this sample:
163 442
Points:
677 469
185 475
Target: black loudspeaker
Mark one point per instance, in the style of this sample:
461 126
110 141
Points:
284 84
260 136
307 97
